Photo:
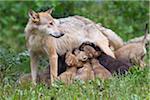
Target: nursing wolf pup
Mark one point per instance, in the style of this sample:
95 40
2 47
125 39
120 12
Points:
113 65
86 59
45 36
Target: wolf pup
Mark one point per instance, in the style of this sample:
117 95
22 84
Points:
77 60
133 52
113 65
100 71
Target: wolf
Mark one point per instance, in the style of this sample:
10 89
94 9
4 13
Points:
46 36
134 52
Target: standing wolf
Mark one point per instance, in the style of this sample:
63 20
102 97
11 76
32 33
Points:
46 35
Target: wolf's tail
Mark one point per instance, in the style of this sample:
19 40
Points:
146 33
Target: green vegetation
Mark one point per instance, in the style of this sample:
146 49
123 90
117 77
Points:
126 18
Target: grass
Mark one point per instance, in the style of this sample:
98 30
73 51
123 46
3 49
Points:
135 85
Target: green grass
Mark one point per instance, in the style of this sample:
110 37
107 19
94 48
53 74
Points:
133 86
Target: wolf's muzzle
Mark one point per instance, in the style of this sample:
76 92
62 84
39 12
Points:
57 35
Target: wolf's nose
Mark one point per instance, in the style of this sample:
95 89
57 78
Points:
57 34
61 34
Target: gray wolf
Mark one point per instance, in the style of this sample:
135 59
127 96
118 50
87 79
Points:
44 35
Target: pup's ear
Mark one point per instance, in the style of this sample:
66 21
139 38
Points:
33 15
49 11
76 51
88 48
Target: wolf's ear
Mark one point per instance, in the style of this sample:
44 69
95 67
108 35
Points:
33 15
49 11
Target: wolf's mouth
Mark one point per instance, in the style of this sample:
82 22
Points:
58 36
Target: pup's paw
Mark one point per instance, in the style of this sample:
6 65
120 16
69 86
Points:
93 61
71 59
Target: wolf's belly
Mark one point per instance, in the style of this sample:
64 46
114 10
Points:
69 43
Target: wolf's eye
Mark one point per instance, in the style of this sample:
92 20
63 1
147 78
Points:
50 23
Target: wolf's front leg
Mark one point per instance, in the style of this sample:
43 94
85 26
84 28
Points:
53 58
54 66
33 64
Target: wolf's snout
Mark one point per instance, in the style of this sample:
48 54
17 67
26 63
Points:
57 34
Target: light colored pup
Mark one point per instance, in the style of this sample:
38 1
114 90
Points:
99 70
133 52
77 59
41 31
68 76
85 73
73 61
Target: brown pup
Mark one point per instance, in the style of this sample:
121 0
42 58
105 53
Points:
45 36
76 60
133 52
113 65
100 71
85 73
89 51
73 61
92 52
68 76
